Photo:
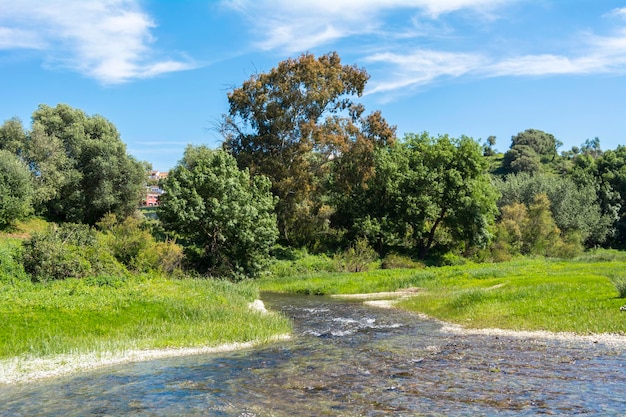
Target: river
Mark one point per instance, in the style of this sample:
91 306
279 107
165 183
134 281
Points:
349 359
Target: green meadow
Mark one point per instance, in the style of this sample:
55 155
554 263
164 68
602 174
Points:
116 314
579 295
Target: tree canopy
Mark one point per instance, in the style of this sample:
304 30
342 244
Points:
291 123
424 189
16 190
224 216
529 149
79 164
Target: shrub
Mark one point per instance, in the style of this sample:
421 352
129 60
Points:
300 263
136 248
11 270
393 261
357 257
67 251
161 256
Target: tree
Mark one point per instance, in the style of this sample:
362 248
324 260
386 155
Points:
224 216
425 190
531 230
608 172
12 136
372 209
81 167
447 187
292 123
16 189
574 207
529 149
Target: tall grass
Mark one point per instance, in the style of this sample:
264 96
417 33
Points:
524 294
82 316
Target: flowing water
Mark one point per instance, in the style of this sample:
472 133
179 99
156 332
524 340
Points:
348 359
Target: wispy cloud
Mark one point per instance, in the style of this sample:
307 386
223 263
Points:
421 67
412 53
109 40
400 73
297 26
619 12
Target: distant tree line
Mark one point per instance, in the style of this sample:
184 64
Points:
303 165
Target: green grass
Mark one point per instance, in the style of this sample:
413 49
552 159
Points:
115 314
527 294
96 315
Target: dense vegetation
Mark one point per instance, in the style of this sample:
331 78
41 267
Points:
302 168
304 165
104 305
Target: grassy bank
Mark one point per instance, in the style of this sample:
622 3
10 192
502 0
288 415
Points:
81 316
527 294
117 314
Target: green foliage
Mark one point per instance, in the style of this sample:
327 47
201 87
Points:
575 207
80 166
532 231
447 191
291 262
136 248
12 136
107 314
607 173
11 269
358 257
396 261
619 281
16 190
67 251
425 192
292 123
529 150
225 217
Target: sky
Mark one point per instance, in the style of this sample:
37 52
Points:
160 71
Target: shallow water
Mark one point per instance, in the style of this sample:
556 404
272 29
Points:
347 359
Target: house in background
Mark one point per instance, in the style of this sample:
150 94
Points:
153 191
157 175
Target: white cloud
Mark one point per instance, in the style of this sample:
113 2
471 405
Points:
296 26
108 40
19 39
619 12
422 67
399 73
600 54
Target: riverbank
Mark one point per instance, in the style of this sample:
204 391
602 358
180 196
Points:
558 296
89 318
23 369
391 299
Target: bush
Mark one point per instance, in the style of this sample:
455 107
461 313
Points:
395 261
160 256
296 263
136 248
357 257
67 251
451 259
11 270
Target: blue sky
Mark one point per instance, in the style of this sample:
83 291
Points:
160 70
